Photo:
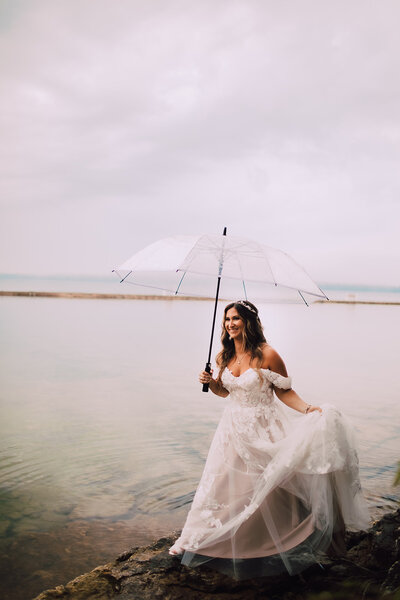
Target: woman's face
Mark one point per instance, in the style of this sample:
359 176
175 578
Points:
234 324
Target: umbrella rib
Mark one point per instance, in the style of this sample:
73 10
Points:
270 268
179 285
241 272
123 279
322 292
304 300
244 287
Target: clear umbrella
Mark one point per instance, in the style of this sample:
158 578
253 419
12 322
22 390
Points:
169 263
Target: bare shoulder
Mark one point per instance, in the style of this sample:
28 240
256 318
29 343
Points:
272 360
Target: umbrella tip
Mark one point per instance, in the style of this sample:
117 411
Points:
224 231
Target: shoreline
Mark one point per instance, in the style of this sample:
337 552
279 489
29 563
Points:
100 296
108 296
369 570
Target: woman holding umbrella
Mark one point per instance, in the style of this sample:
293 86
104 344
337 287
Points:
278 486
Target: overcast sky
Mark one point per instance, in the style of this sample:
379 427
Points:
125 121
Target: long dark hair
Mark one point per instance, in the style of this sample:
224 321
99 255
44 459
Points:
253 335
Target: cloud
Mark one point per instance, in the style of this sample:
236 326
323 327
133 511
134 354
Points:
124 122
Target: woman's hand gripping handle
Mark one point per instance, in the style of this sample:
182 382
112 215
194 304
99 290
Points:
206 376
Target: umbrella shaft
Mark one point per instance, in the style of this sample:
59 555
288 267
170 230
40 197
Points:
221 262
213 323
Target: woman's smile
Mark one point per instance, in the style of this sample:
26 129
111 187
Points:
233 323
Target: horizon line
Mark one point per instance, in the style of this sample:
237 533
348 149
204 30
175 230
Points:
103 277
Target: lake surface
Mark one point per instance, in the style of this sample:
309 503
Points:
104 429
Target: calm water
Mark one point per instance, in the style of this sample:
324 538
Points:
104 429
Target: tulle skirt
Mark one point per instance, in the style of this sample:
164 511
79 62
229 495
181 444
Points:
276 491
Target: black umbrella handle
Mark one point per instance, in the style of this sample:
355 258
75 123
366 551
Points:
208 369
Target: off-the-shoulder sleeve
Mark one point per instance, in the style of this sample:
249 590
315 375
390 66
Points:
278 380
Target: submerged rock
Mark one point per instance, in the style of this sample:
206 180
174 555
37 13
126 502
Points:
370 570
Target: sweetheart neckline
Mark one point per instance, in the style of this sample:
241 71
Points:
238 376
253 369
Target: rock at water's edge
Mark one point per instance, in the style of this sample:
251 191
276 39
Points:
370 570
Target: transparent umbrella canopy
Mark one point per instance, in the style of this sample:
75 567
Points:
196 265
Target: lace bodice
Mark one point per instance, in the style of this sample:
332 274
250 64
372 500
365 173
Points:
249 389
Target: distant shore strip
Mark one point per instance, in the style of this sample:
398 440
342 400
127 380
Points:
99 296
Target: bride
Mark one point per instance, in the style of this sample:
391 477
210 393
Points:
278 488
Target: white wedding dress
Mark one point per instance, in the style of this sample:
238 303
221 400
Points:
278 486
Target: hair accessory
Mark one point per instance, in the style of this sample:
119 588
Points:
244 303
